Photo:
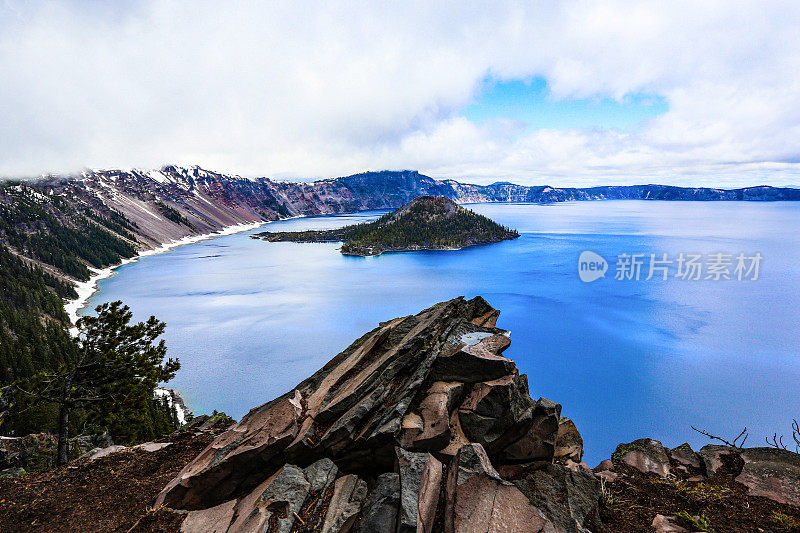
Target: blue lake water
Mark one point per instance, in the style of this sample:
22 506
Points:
626 358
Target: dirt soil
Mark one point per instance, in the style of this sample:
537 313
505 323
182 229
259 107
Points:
109 494
116 493
636 499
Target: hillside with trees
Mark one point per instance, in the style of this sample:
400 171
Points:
427 223
46 241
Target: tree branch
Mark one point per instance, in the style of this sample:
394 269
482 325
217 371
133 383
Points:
727 443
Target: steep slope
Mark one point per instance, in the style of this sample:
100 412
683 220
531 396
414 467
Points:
146 209
426 223
66 226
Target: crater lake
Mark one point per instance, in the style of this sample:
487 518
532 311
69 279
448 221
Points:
626 358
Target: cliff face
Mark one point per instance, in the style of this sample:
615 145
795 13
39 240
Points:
420 425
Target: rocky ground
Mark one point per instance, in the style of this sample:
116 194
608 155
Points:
420 425
108 493
717 489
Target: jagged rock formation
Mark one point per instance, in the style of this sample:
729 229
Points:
426 223
420 425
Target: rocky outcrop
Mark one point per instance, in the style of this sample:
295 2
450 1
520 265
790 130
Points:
478 499
768 472
685 460
420 425
646 455
771 473
569 443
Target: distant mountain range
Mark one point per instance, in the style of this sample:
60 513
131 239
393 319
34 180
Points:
209 200
163 205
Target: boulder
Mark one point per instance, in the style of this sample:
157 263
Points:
479 500
349 493
292 499
645 455
277 501
321 477
380 509
569 499
83 443
569 444
435 410
721 459
685 460
606 465
430 488
605 471
195 423
152 446
516 471
538 443
99 453
321 474
215 519
475 363
493 409
411 466
410 428
457 437
666 524
771 473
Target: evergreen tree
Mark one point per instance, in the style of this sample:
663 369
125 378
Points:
113 374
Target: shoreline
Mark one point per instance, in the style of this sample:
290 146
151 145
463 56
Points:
86 289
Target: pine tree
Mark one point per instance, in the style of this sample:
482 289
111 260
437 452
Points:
117 367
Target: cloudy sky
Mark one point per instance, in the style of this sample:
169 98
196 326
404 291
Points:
565 93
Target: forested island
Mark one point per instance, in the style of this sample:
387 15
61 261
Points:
427 223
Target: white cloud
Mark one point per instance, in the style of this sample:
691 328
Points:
324 89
